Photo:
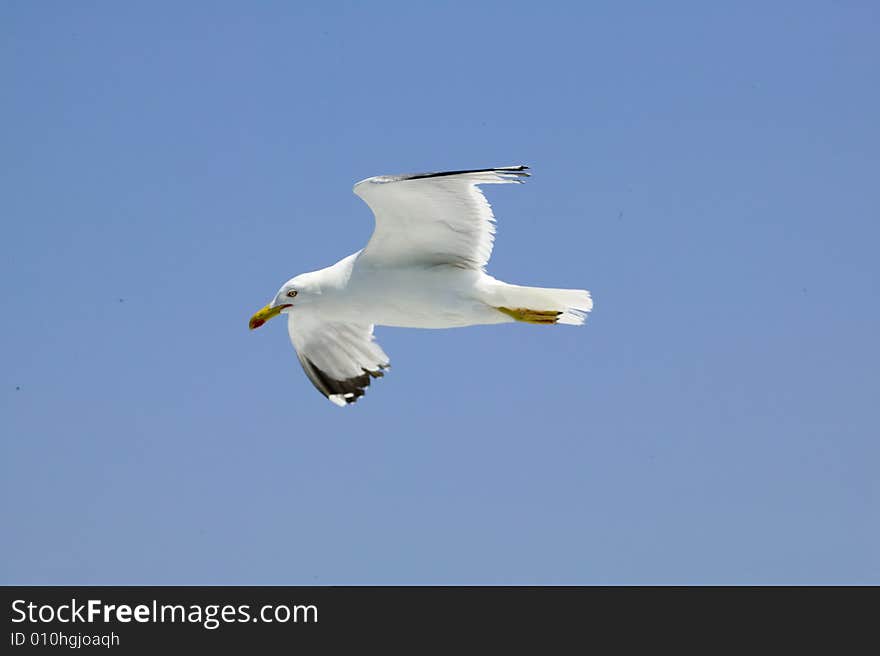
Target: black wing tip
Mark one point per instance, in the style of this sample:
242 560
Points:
348 390
378 373
518 171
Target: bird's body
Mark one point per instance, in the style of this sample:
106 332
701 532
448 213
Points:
423 268
410 296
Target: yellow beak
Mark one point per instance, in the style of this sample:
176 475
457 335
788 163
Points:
266 313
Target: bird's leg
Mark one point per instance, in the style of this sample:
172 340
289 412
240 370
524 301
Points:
547 317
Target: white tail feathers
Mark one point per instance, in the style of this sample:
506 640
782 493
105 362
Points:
571 304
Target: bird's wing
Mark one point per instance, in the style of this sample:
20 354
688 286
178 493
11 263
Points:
339 358
433 218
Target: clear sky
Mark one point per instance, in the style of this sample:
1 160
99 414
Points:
710 173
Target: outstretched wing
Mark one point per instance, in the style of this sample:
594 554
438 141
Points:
339 358
432 218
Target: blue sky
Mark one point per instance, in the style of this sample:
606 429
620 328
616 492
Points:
708 172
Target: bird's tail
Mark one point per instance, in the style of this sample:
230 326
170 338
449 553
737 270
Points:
542 305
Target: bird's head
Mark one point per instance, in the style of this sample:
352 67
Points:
295 292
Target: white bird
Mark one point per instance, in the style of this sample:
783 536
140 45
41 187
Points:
424 267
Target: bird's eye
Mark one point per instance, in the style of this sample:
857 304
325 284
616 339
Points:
291 293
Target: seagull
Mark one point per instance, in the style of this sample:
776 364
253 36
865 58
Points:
424 267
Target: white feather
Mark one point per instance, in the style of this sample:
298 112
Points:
436 219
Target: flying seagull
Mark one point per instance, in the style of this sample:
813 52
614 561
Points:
424 267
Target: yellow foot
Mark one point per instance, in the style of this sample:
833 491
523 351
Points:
531 316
